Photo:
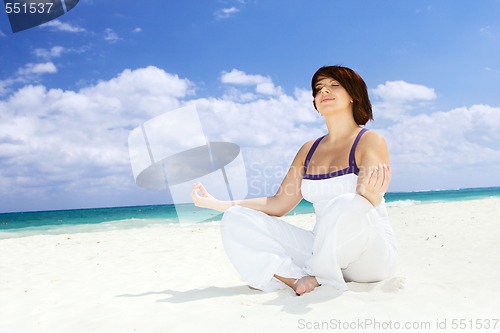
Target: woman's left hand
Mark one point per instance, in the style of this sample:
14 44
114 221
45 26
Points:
376 183
379 179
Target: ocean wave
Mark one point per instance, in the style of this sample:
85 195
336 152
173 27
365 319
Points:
402 203
50 229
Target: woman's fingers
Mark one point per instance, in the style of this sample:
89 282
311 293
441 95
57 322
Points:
379 178
194 192
374 178
197 191
387 177
203 190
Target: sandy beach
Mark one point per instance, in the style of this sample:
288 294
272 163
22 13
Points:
178 279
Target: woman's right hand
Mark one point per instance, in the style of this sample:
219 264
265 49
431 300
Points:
201 197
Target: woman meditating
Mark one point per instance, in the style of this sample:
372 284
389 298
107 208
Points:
345 174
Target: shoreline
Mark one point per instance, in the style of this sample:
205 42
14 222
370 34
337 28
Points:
494 189
163 221
177 278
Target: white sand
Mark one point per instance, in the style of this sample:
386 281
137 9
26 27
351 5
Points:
178 279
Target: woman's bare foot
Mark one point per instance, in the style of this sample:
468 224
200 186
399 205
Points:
305 284
301 286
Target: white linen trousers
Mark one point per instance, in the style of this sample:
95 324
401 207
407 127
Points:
351 240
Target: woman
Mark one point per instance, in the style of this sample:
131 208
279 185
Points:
345 175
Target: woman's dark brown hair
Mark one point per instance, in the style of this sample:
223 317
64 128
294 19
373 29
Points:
353 84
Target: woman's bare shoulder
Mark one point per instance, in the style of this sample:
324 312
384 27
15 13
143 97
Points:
302 152
306 147
372 139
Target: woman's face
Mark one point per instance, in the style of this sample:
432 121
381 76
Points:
331 96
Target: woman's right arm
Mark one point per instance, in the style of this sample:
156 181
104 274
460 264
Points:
285 199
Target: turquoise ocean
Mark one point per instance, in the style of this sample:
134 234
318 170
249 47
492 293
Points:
22 224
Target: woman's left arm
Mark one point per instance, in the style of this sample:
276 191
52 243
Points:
375 173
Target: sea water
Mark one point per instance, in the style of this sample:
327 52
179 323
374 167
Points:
101 219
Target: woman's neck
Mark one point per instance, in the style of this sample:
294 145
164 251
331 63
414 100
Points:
340 126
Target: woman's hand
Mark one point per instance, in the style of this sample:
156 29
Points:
379 179
376 183
201 197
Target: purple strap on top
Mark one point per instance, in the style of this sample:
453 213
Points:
352 168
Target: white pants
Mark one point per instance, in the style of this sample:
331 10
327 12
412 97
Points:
351 241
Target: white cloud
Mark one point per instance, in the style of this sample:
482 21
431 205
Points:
226 12
149 82
401 91
457 148
32 72
138 29
268 88
235 94
37 69
55 145
395 99
432 150
236 76
53 52
62 26
263 84
111 36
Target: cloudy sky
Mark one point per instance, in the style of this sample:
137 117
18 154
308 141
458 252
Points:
72 90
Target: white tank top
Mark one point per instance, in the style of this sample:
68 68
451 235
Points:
321 189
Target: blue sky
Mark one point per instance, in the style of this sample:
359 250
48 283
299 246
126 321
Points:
73 89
